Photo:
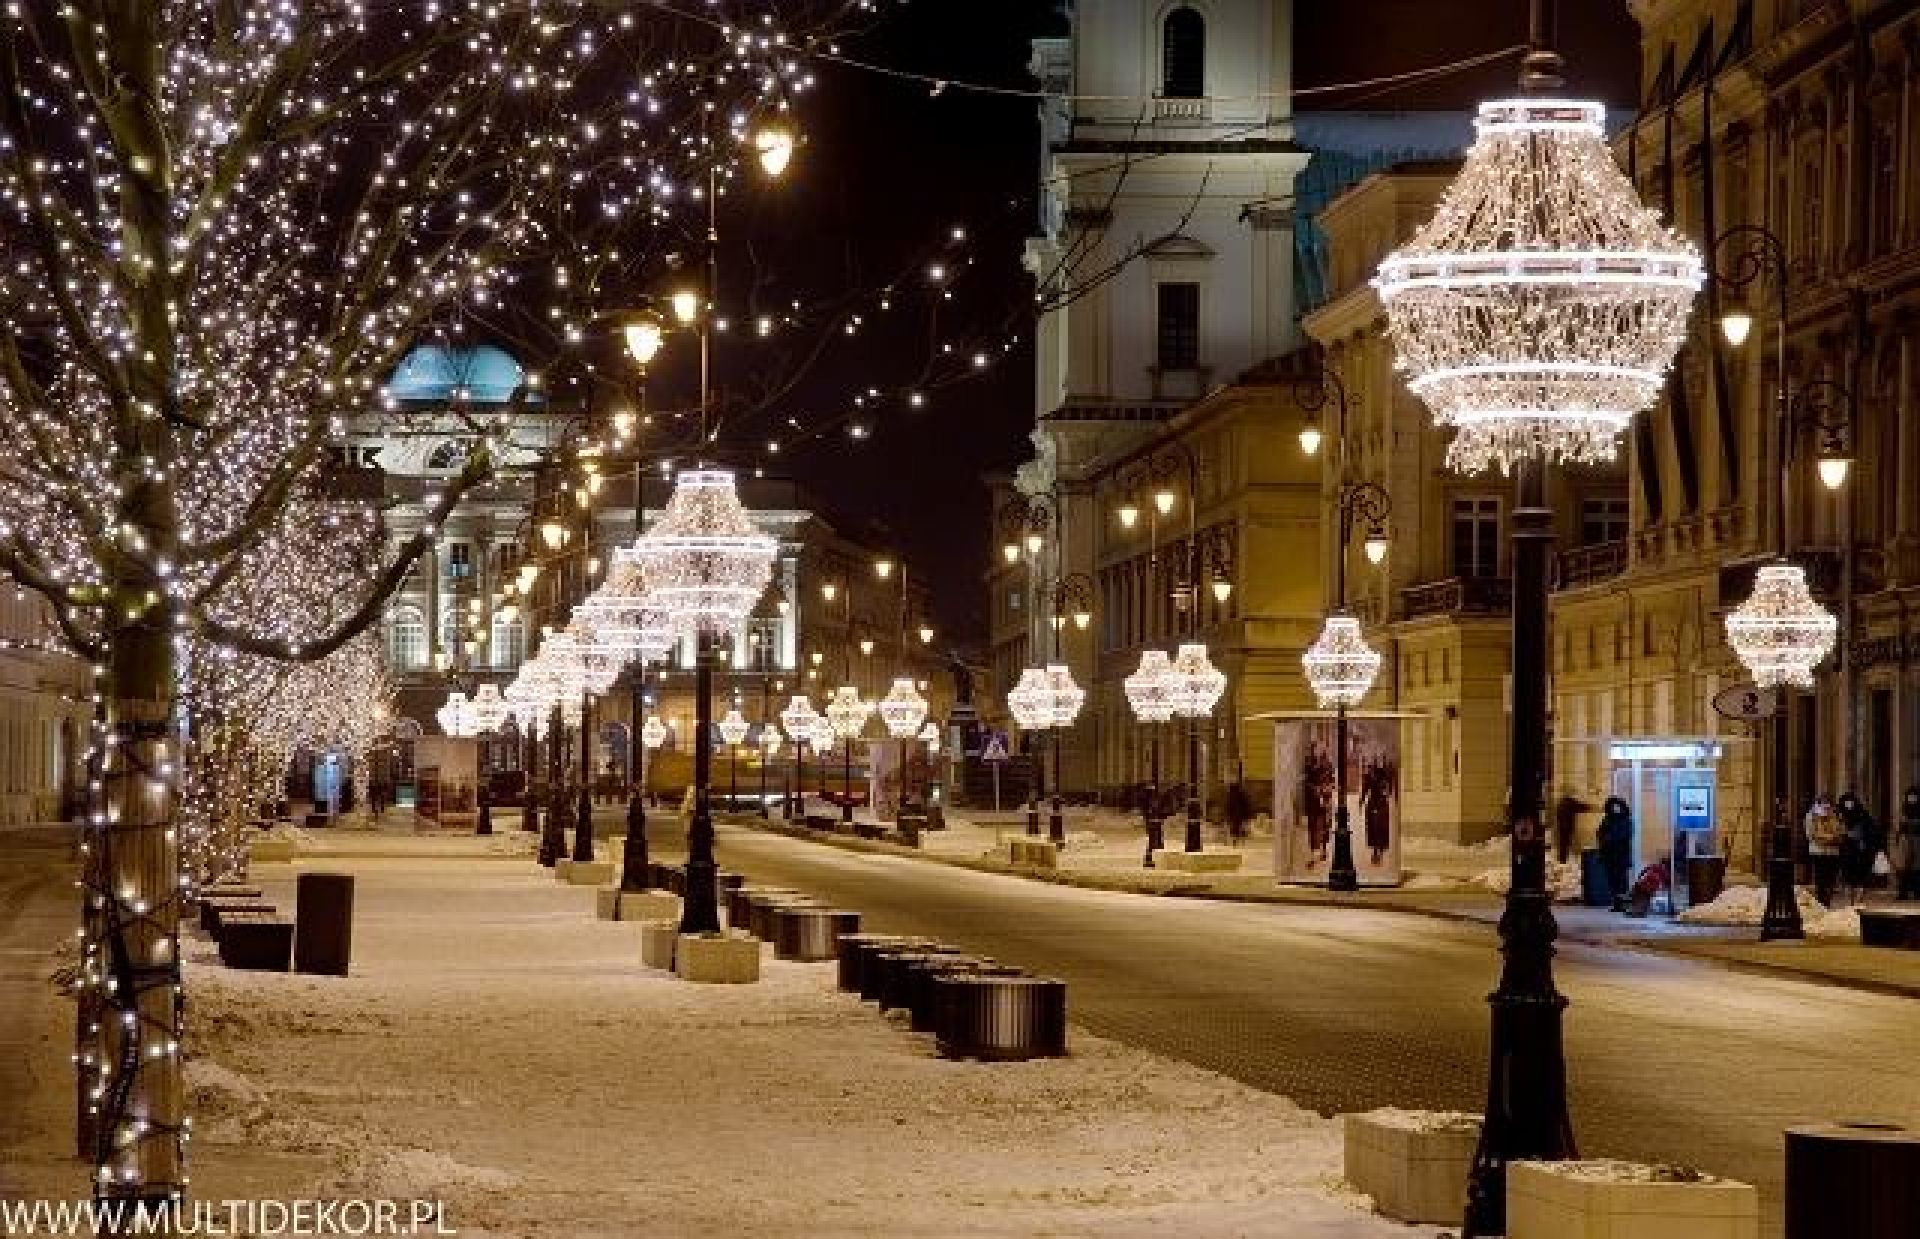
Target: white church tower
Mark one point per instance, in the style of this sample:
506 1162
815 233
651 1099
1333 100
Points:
1165 260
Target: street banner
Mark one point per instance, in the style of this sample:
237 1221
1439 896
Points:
1304 792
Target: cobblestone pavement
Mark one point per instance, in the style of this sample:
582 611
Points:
1346 1009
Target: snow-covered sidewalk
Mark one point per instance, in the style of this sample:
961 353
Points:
499 1049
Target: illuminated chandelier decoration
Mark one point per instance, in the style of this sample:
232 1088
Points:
654 733
564 674
1029 701
1340 665
1151 689
1064 697
1542 306
734 728
623 617
847 714
799 719
488 709
703 561
600 665
769 741
903 709
822 735
523 702
1197 683
1780 633
456 716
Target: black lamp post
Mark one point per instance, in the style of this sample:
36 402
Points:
1024 522
1072 601
633 856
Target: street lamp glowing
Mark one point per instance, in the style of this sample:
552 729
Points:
1129 514
528 574
1310 438
866 646
554 534
1376 547
1222 589
686 305
828 590
773 146
883 568
1833 468
1081 619
1163 499
1736 325
926 634
645 334
1012 551
1034 543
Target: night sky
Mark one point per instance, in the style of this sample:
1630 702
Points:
889 166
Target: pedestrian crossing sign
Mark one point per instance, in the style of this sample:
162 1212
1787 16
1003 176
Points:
995 748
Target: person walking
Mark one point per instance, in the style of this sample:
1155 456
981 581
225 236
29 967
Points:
1825 835
1616 849
1903 846
1859 848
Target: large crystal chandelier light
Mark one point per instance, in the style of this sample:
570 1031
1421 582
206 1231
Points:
799 718
528 708
902 709
847 713
1029 702
1542 305
1340 665
734 727
1198 684
1064 697
1150 689
623 617
1780 633
703 560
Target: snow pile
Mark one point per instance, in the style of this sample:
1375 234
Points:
1427 1121
499 1049
1747 906
1427 847
1607 1170
1562 880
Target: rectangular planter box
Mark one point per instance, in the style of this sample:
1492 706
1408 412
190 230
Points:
1413 1163
590 872
1037 853
657 940
1619 1200
717 959
1196 862
270 851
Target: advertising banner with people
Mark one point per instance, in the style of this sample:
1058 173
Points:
1304 795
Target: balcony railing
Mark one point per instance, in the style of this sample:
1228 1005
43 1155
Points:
1460 595
1180 111
1590 565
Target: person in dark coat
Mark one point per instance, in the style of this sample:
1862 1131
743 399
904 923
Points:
1376 805
1859 846
1616 849
1905 852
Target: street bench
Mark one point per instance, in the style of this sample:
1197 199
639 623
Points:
214 910
1896 928
1032 852
256 941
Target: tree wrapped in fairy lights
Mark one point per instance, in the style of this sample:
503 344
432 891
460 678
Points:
226 221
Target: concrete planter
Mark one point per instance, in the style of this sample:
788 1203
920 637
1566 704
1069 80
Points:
617 905
590 872
562 867
717 959
270 851
1036 853
657 940
1413 1163
1196 862
1622 1200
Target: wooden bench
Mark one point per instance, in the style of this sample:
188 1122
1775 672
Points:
214 910
1895 928
257 941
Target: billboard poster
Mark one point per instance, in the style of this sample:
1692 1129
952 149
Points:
1304 786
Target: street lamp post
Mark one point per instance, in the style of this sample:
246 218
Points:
1024 522
1780 633
1535 324
733 730
1071 597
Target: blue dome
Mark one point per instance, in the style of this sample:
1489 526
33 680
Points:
435 375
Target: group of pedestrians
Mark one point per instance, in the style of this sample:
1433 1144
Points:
1850 850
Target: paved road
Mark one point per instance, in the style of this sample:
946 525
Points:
37 909
1345 1009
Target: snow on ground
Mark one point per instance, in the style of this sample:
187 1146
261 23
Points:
1747 905
499 1049
1562 880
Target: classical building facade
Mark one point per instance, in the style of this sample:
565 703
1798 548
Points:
1802 118
45 708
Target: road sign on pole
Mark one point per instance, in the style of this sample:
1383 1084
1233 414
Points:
1747 702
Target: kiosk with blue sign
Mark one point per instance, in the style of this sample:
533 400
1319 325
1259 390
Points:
1670 783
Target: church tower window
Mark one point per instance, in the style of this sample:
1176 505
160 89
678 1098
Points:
1183 54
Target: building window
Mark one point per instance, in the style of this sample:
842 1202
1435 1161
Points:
509 643
1183 54
1179 318
459 560
407 640
1476 537
1603 520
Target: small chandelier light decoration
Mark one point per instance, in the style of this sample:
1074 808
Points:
847 713
1064 697
703 561
1542 305
769 741
1151 689
1029 702
1780 633
1340 665
903 709
822 735
1198 684
798 719
653 733
734 727
456 716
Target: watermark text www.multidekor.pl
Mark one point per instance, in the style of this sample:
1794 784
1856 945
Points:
280 1219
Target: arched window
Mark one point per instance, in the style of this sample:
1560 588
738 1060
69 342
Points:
1183 54
407 640
509 643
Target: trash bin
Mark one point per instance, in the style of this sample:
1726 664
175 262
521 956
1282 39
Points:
1706 878
1861 1180
1594 889
323 923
